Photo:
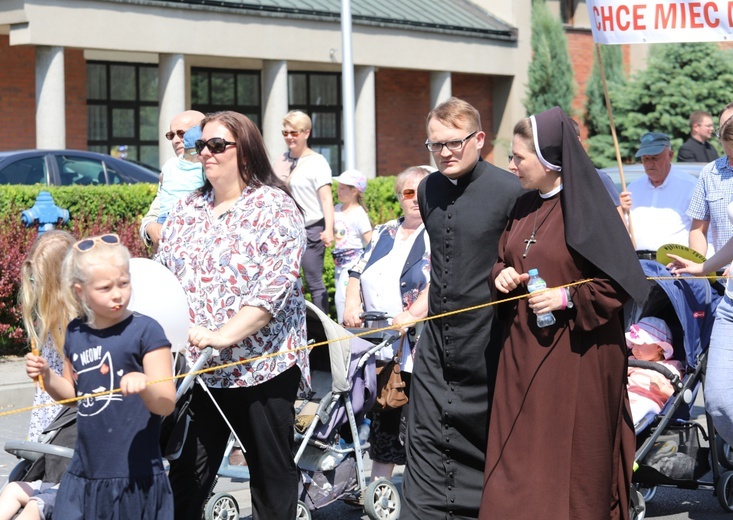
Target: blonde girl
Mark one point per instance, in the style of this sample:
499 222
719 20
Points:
45 316
352 231
117 471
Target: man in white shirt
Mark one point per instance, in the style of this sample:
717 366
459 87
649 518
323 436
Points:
660 199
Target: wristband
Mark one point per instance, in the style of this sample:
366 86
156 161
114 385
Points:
564 298
569 299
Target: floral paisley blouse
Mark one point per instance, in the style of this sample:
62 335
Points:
248 256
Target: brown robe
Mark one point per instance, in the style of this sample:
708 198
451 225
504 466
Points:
561 441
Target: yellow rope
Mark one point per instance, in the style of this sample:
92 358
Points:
322 343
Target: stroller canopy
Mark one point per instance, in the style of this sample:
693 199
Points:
694 302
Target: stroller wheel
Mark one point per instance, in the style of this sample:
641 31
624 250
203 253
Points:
382 500
724 491
637 508
302 513
221 506
725 452
648 493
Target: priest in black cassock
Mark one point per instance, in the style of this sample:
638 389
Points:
465 207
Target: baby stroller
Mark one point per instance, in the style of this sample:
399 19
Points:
669 451
47 458
331 433
328 420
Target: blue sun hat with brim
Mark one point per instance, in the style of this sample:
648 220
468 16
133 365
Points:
192 135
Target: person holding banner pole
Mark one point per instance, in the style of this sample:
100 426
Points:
660 198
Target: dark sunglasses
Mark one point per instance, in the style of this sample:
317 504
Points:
88 243
291 133
215 145
171 135
409 193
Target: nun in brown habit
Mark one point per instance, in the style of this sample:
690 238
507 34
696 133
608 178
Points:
561 439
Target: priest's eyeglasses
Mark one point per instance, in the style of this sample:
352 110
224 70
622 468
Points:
451 145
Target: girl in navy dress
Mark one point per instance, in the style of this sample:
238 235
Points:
117 470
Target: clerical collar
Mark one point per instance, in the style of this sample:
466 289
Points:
552 193
454 181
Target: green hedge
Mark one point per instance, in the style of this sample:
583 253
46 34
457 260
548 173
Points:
119 209
112 202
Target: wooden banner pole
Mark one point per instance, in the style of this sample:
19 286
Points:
613 135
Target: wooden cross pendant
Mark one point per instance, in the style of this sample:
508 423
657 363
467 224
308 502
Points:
529 241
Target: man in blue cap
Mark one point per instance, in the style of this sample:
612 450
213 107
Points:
660 199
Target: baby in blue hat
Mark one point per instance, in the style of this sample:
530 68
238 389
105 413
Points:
182 175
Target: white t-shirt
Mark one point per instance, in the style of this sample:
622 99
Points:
311 173
659 214
349 226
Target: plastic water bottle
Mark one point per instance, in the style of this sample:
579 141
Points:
537 284
363 431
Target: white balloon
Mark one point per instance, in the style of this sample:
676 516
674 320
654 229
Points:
156 292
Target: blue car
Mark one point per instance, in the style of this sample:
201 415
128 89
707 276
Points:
70 167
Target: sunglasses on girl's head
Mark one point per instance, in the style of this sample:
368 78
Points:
409 193
88 243
215 145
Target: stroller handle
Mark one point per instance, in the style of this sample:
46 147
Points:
187 382
30 450
374 316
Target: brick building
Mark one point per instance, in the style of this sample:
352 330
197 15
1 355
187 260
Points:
96 74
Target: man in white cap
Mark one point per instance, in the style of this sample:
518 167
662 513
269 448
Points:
650 340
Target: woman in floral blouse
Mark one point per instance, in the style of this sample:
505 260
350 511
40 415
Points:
235 245
393 276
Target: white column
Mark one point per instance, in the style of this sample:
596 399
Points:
274 104
440 87
172 90
440 90
366 121
50 98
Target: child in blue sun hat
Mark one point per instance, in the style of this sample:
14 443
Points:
180 178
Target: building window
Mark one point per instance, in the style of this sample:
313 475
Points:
122 110
318 94
567 11
214 90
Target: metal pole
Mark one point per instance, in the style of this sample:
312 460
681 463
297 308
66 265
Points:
347 86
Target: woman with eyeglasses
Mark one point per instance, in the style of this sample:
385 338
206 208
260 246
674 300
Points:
561 440
236 246
308 175
393 276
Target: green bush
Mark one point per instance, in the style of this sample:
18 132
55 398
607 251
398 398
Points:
114 209
679 79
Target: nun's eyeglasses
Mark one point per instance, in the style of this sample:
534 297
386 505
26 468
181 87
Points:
451 145
215 145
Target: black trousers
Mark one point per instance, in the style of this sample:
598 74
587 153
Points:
263 418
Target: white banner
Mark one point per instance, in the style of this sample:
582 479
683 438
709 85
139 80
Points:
659 21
